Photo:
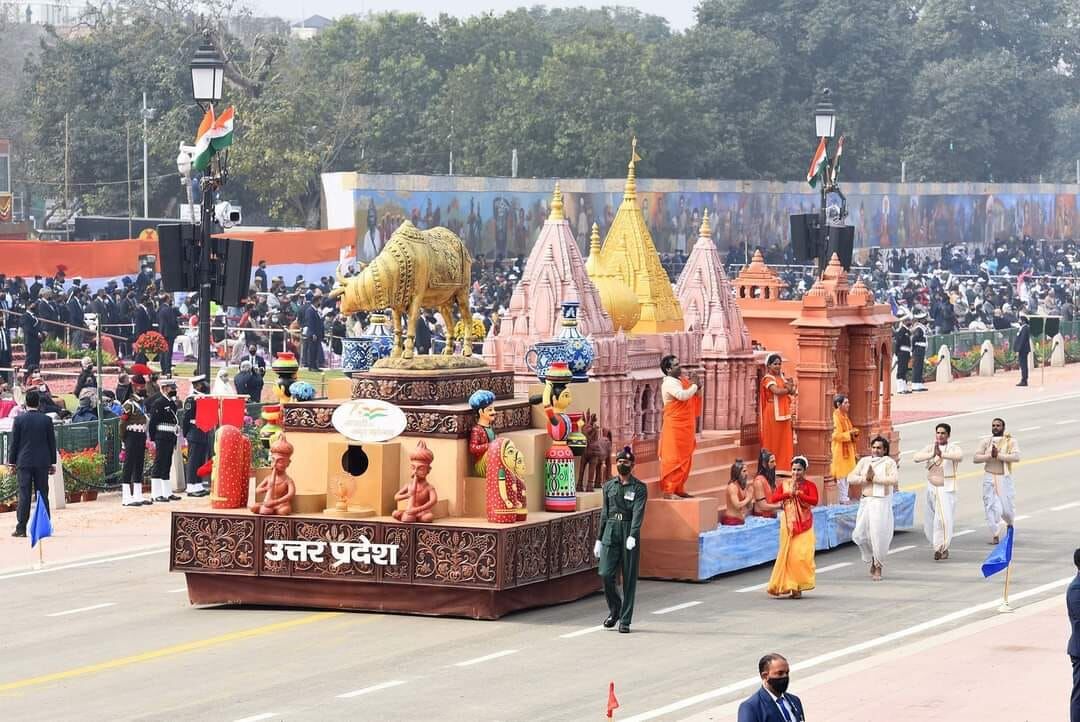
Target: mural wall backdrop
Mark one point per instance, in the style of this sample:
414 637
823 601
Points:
502 216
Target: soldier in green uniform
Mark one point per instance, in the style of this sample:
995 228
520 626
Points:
621 516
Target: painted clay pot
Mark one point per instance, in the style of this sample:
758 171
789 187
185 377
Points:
580 350
546 353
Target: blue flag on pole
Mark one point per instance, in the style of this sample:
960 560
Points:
40 523
1000 556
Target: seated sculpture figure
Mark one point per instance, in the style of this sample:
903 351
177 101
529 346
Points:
421 495
278 488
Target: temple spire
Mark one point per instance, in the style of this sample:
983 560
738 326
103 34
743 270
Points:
630 191
706 229
556 213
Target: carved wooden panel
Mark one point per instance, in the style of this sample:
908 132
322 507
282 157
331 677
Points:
402 536
461 557
575 544
218 543
531 556
274 527
334 531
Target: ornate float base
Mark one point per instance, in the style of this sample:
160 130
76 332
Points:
418 387
452 567
432 362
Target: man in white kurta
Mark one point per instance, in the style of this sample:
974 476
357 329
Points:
942 459
874 522
997 455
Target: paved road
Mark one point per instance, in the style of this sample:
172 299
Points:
117 639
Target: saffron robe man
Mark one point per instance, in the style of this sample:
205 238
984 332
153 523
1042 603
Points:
777 429
874 522
941 458
997 455
682 407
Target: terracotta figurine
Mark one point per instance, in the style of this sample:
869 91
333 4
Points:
505 486
420 493
483 403
278 488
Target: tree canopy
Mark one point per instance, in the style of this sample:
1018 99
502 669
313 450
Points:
960 91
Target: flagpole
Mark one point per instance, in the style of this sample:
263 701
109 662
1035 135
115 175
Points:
1005 608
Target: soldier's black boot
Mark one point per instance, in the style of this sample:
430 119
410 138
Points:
624 629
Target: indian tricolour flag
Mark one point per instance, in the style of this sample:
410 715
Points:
214 135
817 164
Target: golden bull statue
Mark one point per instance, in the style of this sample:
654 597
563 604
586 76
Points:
414 270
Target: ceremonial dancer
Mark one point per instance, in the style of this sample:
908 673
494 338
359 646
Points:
874 522
902 346
682 407
197 439
133 435
621 515
794 573
997 455
843 445
941 458
919 334
163 429
777 430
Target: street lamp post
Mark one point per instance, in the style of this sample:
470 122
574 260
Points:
825 124
207 74
147 115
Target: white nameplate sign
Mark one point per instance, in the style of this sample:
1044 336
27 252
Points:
361 552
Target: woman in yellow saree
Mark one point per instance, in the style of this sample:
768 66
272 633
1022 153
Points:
793 573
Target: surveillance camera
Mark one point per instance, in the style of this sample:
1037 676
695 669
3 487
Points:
227 214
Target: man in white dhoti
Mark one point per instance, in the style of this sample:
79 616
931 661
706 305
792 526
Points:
941 458
997 455
874 523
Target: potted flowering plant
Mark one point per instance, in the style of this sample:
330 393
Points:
151 343
8 490
81 469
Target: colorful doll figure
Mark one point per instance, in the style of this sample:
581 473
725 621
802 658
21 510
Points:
506 501
286 367
560 492
483 433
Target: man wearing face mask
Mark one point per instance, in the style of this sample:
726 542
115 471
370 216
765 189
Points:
772 703
621 516
198 440
163 429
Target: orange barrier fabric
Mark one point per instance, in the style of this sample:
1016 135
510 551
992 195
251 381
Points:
109 259
677 442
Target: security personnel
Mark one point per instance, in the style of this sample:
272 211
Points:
198 440
902 346
621 516
133 434
163 429
919 334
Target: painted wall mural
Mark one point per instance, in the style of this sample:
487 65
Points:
503 216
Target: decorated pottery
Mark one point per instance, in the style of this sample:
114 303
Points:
546 353
580 349
359 354
576 439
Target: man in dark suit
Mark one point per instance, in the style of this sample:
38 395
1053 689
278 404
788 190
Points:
1023 348
1072 602
169 327
76 317
32 337
5 341
313 331
772 703
33 456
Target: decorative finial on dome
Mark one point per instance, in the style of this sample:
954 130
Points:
556 213
594 240
631 174
706 229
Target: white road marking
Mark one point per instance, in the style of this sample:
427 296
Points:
751 682
1022 517
753 588
256 718
897 550
1070 505
578 633
81 609
177 591
962 533
829 568
372 688
677 607
104 560
990 410
486 658
1066 421
1030 428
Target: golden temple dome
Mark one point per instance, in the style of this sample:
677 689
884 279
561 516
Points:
615 296
629 256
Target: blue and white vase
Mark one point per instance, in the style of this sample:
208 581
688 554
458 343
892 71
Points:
355 355
379 337
580 350
359 354
543 354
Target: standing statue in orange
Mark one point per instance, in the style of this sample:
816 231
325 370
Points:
278 488
777 427
421 495
682 407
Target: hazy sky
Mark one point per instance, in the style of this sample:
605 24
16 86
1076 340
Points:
679 13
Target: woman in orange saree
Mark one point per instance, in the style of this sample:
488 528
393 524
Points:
777 432
794 573
844 437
